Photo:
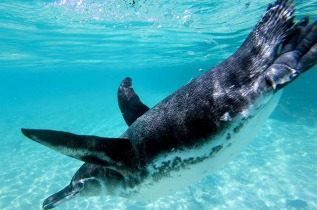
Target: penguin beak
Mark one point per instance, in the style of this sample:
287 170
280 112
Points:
54 200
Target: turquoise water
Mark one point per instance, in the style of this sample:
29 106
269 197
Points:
61 63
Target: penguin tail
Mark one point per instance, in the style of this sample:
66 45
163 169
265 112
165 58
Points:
261 47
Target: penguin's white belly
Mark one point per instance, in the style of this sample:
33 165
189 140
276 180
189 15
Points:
178 169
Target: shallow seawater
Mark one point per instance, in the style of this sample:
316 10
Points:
61 63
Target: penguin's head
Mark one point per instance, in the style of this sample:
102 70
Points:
86 182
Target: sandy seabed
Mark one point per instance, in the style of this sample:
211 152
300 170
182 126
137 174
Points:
277 170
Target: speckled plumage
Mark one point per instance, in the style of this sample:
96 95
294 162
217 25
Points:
199 127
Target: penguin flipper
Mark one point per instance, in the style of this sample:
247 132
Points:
129 102
111 152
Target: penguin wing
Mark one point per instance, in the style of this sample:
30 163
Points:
129 102
111 152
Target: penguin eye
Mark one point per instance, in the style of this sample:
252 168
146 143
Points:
80 184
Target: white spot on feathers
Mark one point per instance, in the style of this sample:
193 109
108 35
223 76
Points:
226 117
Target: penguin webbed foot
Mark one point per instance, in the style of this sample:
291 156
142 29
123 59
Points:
298 54
300 47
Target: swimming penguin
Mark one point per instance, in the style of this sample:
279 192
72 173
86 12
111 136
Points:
199 127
